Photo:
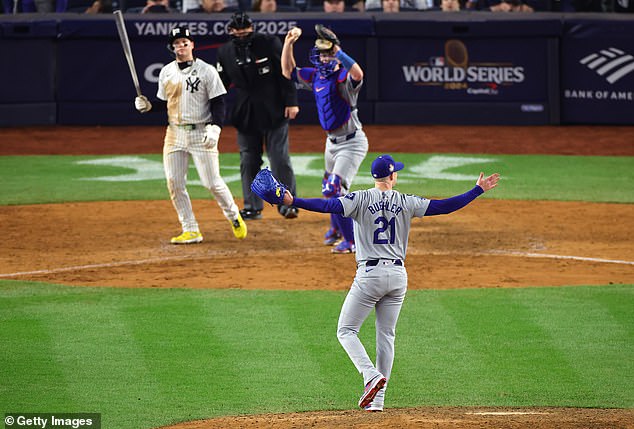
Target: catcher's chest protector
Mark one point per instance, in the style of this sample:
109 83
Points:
333 110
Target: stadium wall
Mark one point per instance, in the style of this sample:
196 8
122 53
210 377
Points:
421 67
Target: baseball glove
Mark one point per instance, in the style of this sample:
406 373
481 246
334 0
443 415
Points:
268 188
326 38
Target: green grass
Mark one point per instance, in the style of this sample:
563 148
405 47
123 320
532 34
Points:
146 357
52 179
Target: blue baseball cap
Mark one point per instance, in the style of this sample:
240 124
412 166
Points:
384 165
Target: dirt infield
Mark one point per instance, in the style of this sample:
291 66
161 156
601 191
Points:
431 418
489 244
572 140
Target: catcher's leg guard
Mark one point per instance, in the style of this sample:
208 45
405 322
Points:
346 228
332 235
331 186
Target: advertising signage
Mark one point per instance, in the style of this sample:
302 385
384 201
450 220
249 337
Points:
470 70
597 84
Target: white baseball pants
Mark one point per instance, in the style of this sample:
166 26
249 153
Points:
179 144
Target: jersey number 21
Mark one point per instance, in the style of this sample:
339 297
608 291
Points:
384 224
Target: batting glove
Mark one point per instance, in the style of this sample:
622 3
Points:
142 104
211 136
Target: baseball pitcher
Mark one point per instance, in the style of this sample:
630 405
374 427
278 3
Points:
382 218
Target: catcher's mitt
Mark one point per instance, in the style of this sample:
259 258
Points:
268 188
326 38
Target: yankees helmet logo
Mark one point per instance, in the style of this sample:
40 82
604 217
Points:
192 86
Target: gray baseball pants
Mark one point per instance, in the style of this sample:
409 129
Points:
382 288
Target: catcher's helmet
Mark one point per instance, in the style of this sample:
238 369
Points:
325 68
240 20
178 33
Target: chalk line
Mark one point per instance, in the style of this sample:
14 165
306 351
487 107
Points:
225 253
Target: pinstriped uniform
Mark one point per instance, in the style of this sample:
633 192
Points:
187 93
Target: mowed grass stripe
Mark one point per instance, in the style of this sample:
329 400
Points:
520 359
434 360
148 357
29 370
280 348
596 353
102 359
328 377
177 374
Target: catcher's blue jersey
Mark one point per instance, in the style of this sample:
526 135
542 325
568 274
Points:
336 98
382 221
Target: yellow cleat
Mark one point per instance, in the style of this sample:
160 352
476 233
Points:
239 228
188 237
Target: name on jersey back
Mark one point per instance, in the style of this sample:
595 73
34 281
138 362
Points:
385 206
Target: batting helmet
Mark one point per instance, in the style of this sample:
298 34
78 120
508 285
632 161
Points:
178 33
240 20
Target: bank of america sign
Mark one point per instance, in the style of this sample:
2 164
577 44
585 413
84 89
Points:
613 64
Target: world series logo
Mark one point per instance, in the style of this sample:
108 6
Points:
455 71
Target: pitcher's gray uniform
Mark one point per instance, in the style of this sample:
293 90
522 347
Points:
381 287
382 217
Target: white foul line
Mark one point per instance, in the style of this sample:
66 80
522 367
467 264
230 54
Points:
550 256
209 254
111 264
505 413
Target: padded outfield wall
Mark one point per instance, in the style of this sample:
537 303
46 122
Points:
421 67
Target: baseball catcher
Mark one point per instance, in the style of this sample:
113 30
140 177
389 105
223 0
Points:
268 188
335 80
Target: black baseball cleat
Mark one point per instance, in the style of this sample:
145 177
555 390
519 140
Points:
248 214
289 212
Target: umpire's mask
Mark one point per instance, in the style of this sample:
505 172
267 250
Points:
241 30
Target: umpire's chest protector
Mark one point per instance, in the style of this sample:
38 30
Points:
333 109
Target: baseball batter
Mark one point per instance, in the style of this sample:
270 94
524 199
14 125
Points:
382 218
195 110
335 79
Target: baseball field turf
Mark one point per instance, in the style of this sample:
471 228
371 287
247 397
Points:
51 179
150 357
144 358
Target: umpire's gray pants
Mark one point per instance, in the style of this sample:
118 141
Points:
383 288
251 150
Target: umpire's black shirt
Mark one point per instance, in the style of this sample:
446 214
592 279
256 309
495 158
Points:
262 91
